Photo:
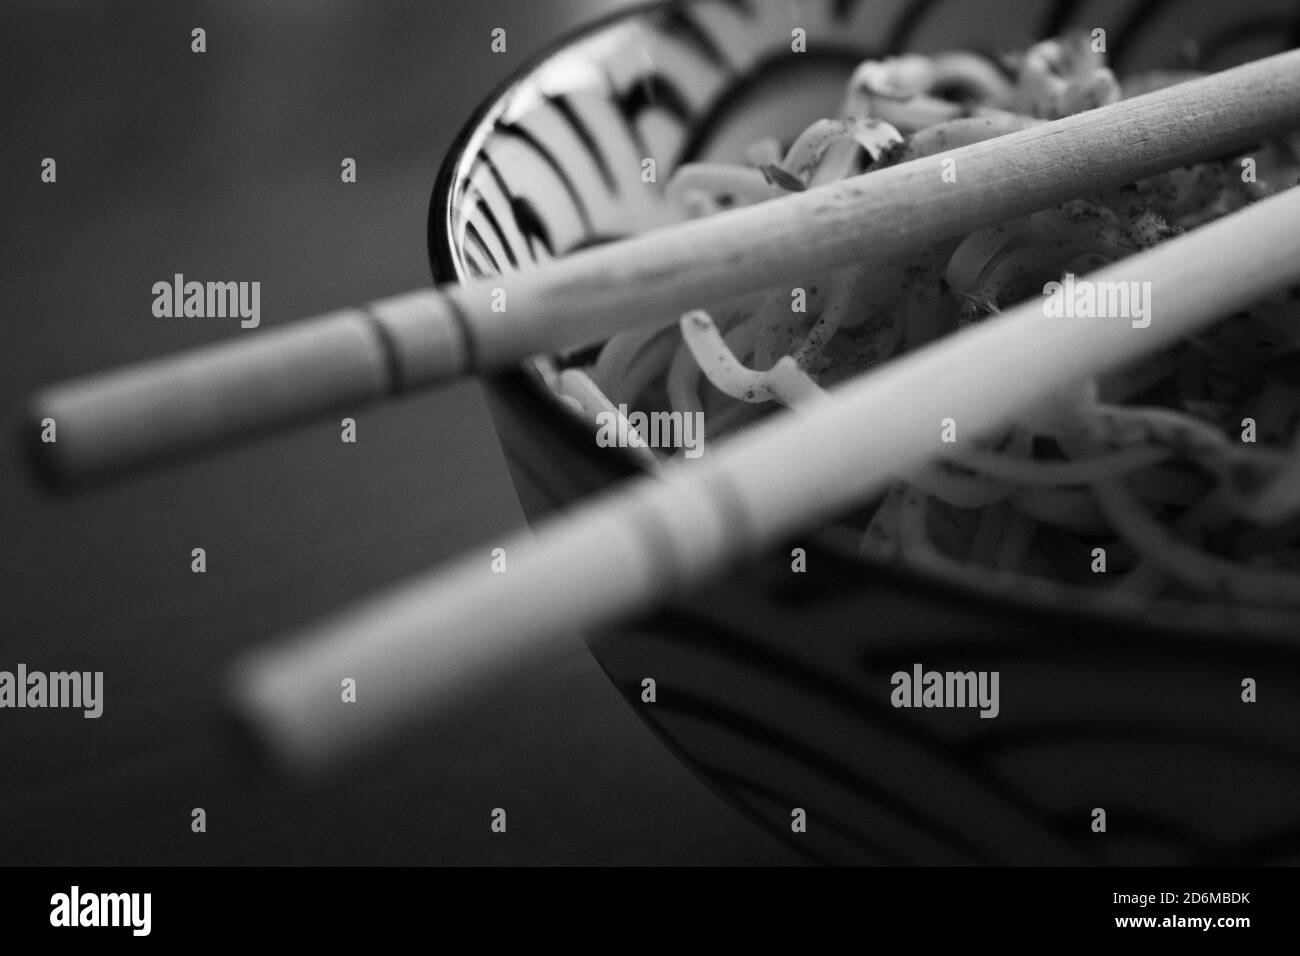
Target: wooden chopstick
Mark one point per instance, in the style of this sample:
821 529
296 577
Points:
446 636
261 380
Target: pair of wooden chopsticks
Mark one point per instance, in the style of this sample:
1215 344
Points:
444 636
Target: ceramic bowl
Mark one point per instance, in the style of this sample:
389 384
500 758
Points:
774 686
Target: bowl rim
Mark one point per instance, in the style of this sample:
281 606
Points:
440 241
1264 625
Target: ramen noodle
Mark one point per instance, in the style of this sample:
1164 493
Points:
1177 477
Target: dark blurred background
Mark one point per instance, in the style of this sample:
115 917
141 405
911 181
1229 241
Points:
225 165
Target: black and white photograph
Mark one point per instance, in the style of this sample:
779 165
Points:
546 435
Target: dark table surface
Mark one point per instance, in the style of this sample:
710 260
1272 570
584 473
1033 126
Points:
225 165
